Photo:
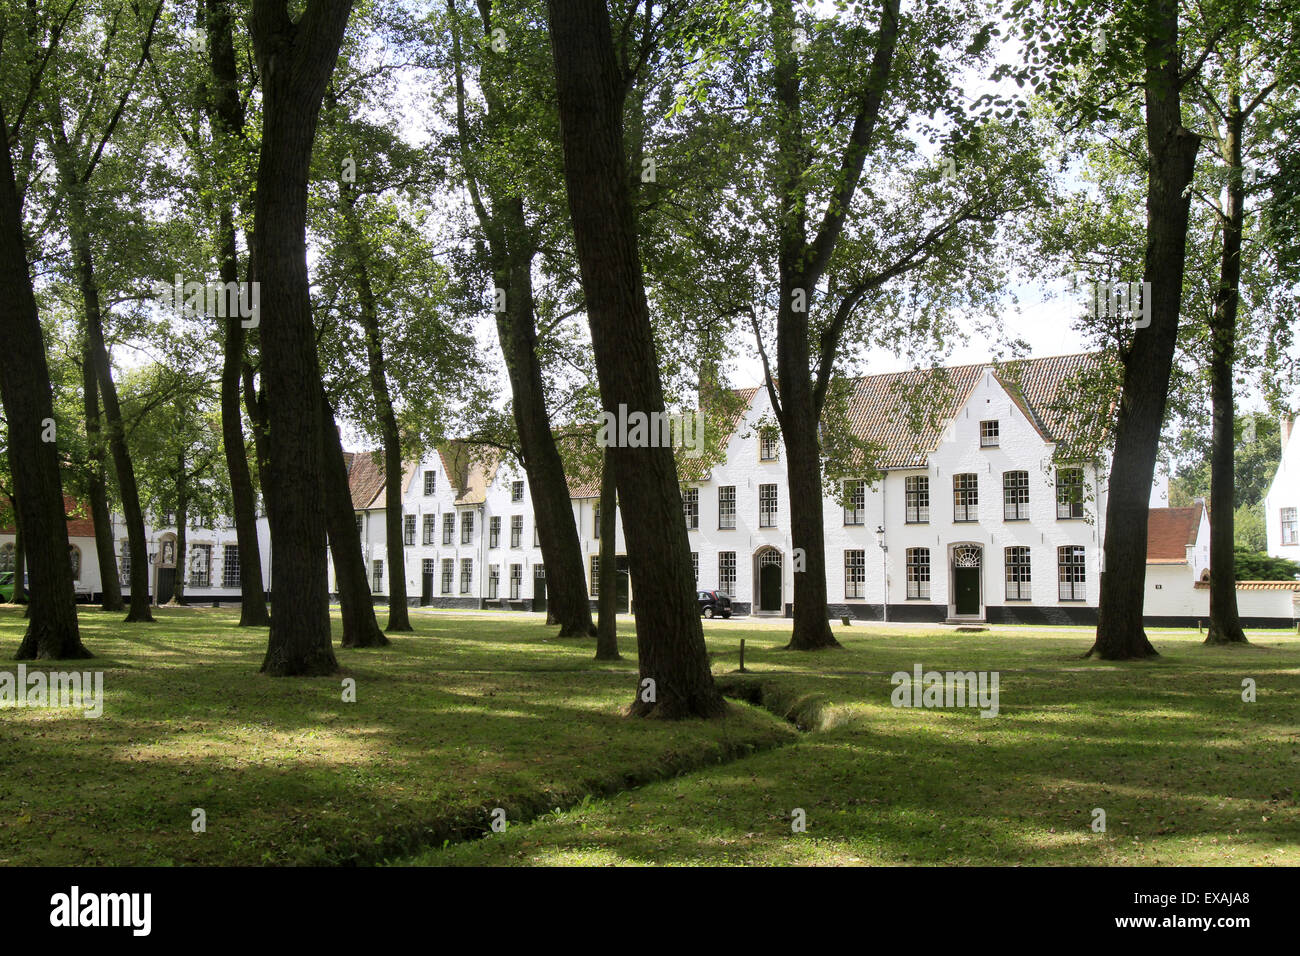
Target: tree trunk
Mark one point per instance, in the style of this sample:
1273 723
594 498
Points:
294 62
674 668
1225 621
97 491
607 602
20 563
227 116
356 606
78 233
182 533
512 250
1147 363
52 632
398 616
812 629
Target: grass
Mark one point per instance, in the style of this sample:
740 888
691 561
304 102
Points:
475 712
450 722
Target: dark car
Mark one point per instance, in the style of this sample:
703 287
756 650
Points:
714 604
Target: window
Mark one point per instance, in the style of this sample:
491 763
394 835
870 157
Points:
855 502
494 532
595 576
124 563
727 506
200 566
727 572
429 529
595 519
516 580
916 499
1015 495
695 567
1017 561
430 482
8 556
516 491
767 506
1071 575
516 530
1069 492
230 577
359 519
855 573
918 573
448 527
466 574
378 576
767 446
988 434
74 558
965 497
537 535
466 526
408 529
448 569
691 508
494 581
1289 526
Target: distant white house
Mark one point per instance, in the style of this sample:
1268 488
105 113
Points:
1282 503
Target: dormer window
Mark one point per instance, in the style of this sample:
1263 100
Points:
430 482
767 447
989 434
516 491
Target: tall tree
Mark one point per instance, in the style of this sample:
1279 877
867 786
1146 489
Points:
674 669
226 114
295 59
607 602
497 192
52 632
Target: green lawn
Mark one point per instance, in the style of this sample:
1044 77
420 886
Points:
472 713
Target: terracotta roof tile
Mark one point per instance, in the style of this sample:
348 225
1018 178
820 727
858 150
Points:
365 478
80 523
1169 532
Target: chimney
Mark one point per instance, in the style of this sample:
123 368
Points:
1287 423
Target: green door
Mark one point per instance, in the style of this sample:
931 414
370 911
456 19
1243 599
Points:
966 584
539 588
769 587
166 585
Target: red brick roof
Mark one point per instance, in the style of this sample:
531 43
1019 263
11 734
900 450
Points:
80 524
1169 532
365 477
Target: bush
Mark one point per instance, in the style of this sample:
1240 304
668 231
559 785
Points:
1257 566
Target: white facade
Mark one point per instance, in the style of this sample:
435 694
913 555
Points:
1282 503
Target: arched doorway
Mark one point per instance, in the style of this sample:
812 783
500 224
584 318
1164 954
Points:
769 582
164 587
966 572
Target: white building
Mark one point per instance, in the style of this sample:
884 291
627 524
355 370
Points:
1282 503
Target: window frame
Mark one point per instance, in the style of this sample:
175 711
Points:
1015 484
918 574
968 490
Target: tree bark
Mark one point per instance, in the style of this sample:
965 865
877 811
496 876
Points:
398 616
20 563
52 632
78 233
226 113
607 602
1149 359
511 251
182 533
1225 620
97 490
674 668
356 605
295 60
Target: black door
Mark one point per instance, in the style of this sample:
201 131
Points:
539 588
166 585
624 587
966 585
426 586
769 587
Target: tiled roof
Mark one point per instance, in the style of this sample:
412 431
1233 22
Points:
1169 532
471 468
80 524
1259 585
365 478
903 414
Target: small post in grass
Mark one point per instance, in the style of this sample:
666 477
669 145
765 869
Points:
742 655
